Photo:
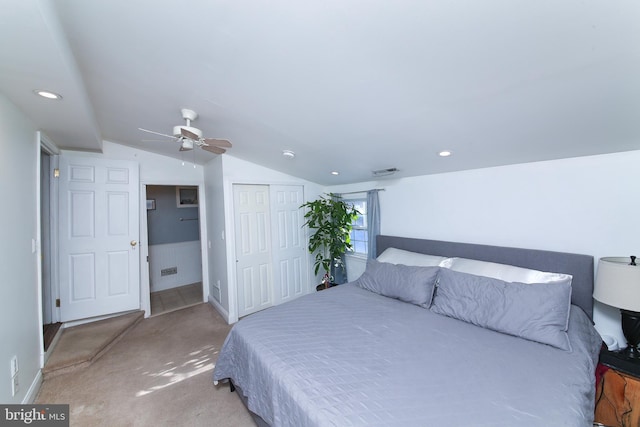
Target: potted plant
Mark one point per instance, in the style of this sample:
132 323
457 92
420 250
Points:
329 219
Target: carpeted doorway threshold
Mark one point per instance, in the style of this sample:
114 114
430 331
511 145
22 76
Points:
80 346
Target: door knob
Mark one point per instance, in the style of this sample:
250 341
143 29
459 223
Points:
133 243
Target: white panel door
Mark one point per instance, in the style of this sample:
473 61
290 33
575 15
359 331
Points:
253 248
99 233
289 246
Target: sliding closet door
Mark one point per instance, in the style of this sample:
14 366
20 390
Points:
289 246
253 248
271 252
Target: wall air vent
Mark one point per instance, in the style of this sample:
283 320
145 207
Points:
384 172
168 271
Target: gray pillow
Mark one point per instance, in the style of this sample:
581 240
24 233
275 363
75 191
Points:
537 311
406 283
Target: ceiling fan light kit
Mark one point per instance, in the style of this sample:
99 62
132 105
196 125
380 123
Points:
188 136
187 144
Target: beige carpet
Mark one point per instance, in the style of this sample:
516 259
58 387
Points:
79 346
158 374
176 298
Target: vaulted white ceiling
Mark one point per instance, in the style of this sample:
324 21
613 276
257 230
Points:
348 85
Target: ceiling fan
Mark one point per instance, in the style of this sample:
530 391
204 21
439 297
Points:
188 136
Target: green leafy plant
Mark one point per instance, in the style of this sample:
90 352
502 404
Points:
329 219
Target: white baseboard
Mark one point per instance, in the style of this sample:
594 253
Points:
34 388
220 309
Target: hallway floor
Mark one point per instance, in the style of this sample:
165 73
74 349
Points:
176 298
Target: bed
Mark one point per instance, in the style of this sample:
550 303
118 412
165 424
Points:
476 348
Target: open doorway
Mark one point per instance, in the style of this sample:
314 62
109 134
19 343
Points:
175 254
50 325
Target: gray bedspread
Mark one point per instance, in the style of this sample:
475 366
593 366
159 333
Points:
349 357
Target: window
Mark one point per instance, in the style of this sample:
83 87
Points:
359 233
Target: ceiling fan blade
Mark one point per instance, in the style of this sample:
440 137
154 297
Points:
189 134
218 142
156 133
213 149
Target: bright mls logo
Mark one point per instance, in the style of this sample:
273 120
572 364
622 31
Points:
34 415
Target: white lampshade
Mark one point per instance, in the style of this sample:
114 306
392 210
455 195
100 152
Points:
618 283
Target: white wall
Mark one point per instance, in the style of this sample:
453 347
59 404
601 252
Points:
584 205
19 295
217 258
220 175
185 256
154 168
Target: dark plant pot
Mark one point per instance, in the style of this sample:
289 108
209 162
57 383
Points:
322 287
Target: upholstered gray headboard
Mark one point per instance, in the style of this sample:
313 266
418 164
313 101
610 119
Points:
579 266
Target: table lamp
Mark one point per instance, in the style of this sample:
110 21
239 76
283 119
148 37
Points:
618 285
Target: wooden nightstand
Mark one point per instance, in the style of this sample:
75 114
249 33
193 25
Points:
618 392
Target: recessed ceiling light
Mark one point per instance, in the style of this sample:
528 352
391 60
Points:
445 153
335 173
48 94
288 154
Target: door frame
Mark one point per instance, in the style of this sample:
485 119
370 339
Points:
45 144
145 287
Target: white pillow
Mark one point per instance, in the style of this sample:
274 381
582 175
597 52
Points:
504 272
399 256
